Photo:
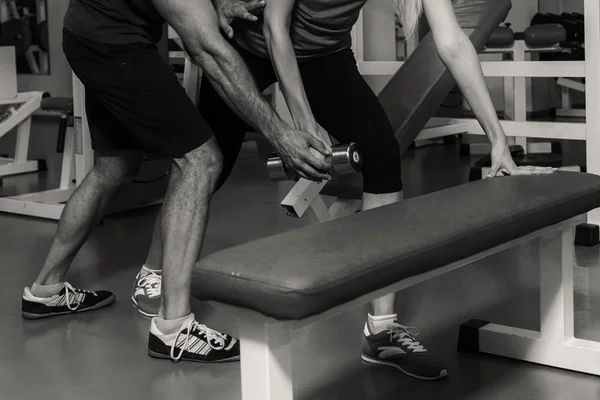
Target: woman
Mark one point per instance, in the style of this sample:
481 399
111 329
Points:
305 45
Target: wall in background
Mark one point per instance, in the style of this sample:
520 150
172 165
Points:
58 83
379 45
379 37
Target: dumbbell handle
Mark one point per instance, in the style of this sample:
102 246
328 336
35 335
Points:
345 159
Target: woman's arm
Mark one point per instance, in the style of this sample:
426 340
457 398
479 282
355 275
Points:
458 54
196 22
276 28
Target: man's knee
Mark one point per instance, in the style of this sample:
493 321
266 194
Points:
203 163
117 170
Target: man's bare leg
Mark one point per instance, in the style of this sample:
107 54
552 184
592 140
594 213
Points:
175 334
49 295
183 223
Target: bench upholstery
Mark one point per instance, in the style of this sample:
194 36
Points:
301 273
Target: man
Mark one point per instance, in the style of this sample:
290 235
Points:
305 46
134 104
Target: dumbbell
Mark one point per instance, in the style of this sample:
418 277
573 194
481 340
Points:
345 159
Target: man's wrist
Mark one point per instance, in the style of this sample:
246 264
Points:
273 127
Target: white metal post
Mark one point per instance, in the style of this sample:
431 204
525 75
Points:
520 92
266 361
84 155
592 91
22 145
68 165
556 285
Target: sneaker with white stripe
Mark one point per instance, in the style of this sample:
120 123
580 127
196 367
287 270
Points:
397 347
193 342
146 292
68 301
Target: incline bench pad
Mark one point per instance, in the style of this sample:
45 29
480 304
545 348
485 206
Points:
419 87
544 35
57 104
503 36
303 272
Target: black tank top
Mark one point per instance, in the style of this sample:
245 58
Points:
114 21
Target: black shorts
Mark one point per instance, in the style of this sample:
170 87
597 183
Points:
133 99
342 103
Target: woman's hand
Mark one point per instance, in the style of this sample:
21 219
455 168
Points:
228 10
502 163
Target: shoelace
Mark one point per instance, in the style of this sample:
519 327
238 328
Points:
73 303
402 334
210 334
151 283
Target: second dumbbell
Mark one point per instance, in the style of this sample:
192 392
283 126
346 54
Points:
345 159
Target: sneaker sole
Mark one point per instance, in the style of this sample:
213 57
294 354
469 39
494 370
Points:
145 314
443 373
109 301
168 357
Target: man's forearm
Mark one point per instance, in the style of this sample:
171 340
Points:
232 80
197 24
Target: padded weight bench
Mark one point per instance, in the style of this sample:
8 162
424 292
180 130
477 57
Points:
282 282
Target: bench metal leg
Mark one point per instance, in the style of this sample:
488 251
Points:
554 345
266 361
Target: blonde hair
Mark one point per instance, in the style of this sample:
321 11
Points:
409 12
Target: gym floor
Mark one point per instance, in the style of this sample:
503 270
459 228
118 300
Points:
102 354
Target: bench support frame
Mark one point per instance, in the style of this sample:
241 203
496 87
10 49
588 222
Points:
266 361
555 344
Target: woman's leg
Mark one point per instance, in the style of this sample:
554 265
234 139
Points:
345 106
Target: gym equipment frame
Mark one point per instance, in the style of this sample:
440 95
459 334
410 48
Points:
20 111
77 160
589 131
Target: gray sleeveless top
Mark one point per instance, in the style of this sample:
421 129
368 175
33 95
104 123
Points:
318 28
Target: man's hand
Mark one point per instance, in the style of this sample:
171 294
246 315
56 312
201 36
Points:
294 147
319 133
502 163
228 10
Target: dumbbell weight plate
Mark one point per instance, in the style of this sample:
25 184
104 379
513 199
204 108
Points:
346 159
276 169
16 33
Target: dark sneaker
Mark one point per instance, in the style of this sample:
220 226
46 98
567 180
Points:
146 292
398 348
193 342
68 301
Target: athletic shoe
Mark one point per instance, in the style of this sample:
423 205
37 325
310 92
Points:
146 292
397 347
193 342
68 301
